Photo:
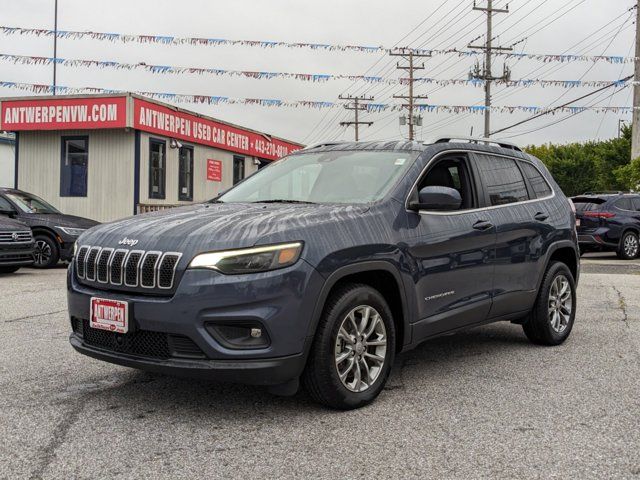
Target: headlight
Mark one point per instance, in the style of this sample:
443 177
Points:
72 232
250 260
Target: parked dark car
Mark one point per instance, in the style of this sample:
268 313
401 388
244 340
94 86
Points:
16 245
609 222
54 232
326 264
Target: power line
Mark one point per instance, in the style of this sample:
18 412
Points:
624 80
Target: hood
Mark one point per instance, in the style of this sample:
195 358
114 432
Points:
10 225
216 226
58 219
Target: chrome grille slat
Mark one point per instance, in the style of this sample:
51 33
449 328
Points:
90 264
166 269
81 258
102 265
131 266
115 266
148 269
127 268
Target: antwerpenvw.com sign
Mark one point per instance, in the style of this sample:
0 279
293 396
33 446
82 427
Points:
120 111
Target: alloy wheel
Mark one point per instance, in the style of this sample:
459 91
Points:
560 303
631 246
361 348
42 252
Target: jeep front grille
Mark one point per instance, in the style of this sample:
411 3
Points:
131 268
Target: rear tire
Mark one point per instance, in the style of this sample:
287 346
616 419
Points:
551 320
353 350
629 246
9 269
46 252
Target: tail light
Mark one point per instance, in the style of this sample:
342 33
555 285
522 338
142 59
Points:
599 214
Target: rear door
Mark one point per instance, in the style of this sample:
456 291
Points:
514 195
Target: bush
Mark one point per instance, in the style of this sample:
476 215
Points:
591 166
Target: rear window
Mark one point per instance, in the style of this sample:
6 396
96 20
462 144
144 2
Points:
540 186
585 204
502 180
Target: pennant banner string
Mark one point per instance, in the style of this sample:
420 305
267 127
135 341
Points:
216 42
306 77
309 104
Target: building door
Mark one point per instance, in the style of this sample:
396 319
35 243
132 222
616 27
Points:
185 174
238 169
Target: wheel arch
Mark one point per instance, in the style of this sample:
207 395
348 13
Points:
566 252
380 275
40 230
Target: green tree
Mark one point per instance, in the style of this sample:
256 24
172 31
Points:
591 166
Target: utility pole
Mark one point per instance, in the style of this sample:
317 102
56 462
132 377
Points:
55 45
357 107
635 135
410 56
486 73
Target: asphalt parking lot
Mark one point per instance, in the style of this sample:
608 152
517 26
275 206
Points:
480 404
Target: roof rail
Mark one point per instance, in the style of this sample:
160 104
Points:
487 141
322 144
606 192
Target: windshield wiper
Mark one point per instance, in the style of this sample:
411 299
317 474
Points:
281 200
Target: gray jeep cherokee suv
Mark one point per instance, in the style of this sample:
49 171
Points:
326 264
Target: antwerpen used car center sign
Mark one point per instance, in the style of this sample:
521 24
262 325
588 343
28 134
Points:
96 112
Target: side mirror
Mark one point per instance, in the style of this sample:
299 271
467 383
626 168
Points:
438 198
9 213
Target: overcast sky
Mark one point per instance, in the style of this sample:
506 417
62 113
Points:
548 26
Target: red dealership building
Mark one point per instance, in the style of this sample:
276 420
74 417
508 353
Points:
110 156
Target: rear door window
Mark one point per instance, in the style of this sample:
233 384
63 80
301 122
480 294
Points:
502 180
540 186
624 204
636 203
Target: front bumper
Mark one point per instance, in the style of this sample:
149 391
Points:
281 302
16 255
271 371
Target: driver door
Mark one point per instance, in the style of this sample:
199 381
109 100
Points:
453 252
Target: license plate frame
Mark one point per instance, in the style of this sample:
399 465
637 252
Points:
109 315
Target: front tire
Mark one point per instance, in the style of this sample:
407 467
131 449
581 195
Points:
46 252
629 246
353 349
554 312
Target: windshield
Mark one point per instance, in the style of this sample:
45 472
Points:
327 177
30 203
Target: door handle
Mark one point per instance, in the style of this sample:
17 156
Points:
541 217
482 225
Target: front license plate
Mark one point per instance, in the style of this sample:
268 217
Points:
577 222
111 315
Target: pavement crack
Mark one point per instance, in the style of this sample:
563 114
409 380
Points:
58 437
622 305
29 317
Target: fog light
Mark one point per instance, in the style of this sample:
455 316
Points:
239 335
256 332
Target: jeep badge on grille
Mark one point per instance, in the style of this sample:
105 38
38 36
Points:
130 242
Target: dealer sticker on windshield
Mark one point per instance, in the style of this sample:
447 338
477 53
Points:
111 315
